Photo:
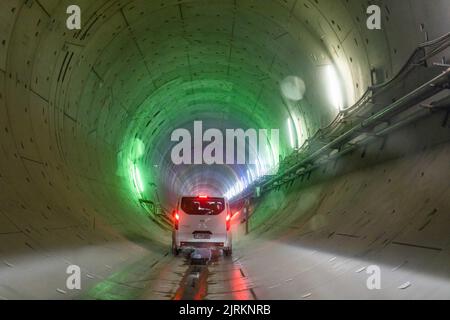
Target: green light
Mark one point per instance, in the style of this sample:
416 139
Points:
137 149
137 178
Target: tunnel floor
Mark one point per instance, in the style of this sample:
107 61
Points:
316 275
183 277
325 242
298 270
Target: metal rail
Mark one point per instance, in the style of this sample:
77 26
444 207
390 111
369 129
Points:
425 91
306 157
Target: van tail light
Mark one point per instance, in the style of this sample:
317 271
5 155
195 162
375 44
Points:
176 220
228 220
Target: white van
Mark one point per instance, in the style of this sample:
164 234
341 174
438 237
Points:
202 222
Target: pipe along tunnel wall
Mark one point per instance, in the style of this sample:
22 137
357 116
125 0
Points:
73 103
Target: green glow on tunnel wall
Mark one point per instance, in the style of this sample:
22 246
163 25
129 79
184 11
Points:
136 151
137 178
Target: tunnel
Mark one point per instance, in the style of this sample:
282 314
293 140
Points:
357 184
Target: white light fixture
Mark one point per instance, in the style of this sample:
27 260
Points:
291 133
334 87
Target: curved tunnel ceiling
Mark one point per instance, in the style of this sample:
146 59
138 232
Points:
185 62
140 70
86 116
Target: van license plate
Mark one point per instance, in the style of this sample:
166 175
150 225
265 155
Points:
202 236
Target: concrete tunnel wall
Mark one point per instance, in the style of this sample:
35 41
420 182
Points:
385 204
67 100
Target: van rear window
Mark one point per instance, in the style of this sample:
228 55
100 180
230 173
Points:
203 207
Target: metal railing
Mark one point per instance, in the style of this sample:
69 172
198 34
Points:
358 120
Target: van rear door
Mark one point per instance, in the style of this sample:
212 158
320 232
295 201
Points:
203 218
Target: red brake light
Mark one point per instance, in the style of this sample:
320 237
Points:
228 217
176 216
203 197
228 221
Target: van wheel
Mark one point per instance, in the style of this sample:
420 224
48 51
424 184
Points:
175 250
228 252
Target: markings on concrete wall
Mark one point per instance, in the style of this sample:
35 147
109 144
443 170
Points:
32 160
65 65
416 246
347 235
38 95
405 286
70 117
43 8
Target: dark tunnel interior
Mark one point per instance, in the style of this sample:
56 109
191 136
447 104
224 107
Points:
359 178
